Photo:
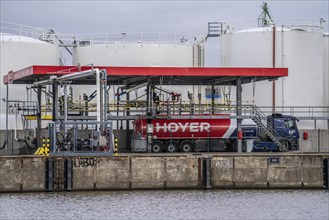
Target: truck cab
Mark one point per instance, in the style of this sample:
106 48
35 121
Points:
286 127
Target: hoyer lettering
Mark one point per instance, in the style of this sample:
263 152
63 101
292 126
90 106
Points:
174 127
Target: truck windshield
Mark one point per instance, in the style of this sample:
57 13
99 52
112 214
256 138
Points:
290 123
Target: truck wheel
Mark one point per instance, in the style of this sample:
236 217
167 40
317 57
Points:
186 146
157 147
171 146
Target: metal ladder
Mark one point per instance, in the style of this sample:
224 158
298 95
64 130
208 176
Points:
261 120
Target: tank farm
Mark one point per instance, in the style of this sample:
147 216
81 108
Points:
145 112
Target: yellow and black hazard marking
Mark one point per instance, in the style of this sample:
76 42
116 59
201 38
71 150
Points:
115 146
44 150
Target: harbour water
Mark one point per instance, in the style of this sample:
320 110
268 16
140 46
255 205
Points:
169 204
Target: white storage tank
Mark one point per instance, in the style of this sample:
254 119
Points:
18 52
138 54
298 49
149 52
326 69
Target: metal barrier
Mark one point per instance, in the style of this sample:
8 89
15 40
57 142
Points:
98 139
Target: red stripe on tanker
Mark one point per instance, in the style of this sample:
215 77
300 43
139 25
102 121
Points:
187 128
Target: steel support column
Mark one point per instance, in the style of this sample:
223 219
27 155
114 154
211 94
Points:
103 98
127 114
118 103
212 99
149 113
55 101
65 107
7 113
38 131
238 111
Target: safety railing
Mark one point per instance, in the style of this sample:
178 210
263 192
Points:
293 24
52 36
20 30
260 119
300 112
22 107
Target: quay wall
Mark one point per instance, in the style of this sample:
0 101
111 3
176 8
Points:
129 172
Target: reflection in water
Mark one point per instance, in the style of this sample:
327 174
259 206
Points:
170 204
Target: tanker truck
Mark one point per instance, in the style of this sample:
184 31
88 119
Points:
214 133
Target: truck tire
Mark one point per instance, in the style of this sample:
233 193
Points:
171 147
231 145
157 147
186 146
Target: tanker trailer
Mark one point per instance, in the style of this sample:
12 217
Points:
210 133
200 133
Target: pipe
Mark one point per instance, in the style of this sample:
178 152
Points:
118 102
45 82
239 111
282 66
7 112
15 131
98 88
28 145
136 87
65 107
273 63
103 97
78 75
4 145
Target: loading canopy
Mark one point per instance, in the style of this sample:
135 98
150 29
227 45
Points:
158 75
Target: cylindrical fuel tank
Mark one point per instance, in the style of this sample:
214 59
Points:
18 52
146 52
138 54
297 48
196 128
185 128
326 69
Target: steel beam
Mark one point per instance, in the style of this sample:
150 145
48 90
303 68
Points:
38 131
238 111
55 100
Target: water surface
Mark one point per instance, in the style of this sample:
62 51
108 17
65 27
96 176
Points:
169 204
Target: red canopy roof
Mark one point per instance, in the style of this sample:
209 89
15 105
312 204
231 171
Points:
170 75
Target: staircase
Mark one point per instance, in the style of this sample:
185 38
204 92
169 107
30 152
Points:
261 120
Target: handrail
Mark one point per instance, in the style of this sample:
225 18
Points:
300 112
260 118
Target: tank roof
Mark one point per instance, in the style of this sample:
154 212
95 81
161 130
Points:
262 29
17 38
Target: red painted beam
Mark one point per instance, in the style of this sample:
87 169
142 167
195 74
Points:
196 71
149 71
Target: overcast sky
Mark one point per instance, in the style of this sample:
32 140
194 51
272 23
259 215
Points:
76 17
140 16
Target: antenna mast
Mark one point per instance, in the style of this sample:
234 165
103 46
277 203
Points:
265 19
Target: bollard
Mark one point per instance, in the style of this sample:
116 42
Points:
49 175
206 172
115 146
68 173
326 173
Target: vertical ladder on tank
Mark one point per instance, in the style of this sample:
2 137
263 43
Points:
261 120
